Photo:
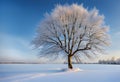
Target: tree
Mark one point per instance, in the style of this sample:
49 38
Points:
72 31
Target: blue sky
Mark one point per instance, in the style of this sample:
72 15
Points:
20 18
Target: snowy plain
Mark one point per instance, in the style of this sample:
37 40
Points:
55 73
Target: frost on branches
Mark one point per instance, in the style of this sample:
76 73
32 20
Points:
72 31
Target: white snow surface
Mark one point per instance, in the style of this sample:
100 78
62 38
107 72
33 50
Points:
59 73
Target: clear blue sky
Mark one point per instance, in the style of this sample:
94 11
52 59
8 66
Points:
19 20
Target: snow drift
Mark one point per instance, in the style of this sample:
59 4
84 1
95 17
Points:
56 73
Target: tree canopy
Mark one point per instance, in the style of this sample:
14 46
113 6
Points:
72 31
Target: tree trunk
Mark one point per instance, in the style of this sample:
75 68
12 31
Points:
70 62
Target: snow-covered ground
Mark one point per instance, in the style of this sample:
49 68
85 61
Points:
58 73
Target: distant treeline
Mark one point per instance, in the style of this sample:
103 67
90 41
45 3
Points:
110 61
20 63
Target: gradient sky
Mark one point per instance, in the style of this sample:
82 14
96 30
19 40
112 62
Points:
20 18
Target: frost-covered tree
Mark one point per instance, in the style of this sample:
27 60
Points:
72 31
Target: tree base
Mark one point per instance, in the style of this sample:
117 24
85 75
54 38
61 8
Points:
71 70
